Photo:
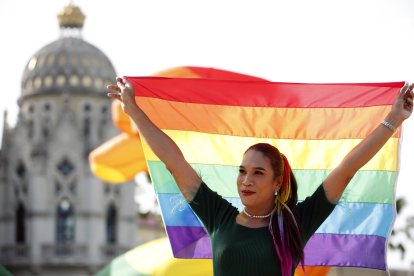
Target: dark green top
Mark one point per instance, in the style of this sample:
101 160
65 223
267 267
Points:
240 250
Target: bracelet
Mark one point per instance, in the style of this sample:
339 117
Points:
388 125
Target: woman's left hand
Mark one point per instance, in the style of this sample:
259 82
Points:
403 105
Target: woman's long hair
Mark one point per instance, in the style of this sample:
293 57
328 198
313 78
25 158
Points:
283 222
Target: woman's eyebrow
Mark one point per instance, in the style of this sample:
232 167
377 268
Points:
255 168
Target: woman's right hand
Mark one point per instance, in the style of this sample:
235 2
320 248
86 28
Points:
123 91
162 145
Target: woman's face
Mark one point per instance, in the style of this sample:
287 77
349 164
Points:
256 183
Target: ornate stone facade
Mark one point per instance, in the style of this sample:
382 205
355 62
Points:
56 217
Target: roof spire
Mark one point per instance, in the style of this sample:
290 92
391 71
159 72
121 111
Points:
71 16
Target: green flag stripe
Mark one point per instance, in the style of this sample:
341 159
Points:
366 186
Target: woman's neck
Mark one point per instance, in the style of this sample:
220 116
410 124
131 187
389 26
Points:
251 223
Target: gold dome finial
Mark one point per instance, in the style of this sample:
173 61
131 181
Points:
71 16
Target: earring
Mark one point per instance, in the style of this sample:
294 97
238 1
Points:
276 193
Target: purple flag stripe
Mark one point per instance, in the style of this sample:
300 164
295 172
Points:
332 249
189 242
346 250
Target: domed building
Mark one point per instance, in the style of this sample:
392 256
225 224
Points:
56 217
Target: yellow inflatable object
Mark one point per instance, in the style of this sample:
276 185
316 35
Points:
121 120
119 159
155 258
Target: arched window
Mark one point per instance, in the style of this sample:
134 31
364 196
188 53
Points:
65 221
87 107
47 107
65 167
20 223
30 129
46 128
87 120
21 170
111 224
86 127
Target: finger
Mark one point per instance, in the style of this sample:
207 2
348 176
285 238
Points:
116 96
113 87
120 80
403 90
408 97
120 84
409 92
113 95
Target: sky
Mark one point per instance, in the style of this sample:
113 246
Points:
284 41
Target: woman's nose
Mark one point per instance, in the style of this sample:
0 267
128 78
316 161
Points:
246 180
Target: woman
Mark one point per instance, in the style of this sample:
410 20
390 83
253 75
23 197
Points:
242 243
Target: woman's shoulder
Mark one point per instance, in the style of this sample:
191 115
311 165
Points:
318 197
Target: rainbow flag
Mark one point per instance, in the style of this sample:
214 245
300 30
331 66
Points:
314 125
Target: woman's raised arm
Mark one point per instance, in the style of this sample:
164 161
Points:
167 151
336 182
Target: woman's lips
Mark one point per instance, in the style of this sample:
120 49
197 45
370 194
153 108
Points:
247 192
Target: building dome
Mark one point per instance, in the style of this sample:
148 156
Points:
68 64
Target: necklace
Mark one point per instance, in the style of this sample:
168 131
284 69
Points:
256 217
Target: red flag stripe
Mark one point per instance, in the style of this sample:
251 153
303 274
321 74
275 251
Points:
265 94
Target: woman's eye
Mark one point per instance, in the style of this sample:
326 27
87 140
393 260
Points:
241 171
258 172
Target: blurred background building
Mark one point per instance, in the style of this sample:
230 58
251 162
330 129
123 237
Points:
56 217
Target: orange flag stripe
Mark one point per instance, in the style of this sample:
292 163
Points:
302 123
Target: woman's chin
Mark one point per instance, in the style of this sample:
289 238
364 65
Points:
246 202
